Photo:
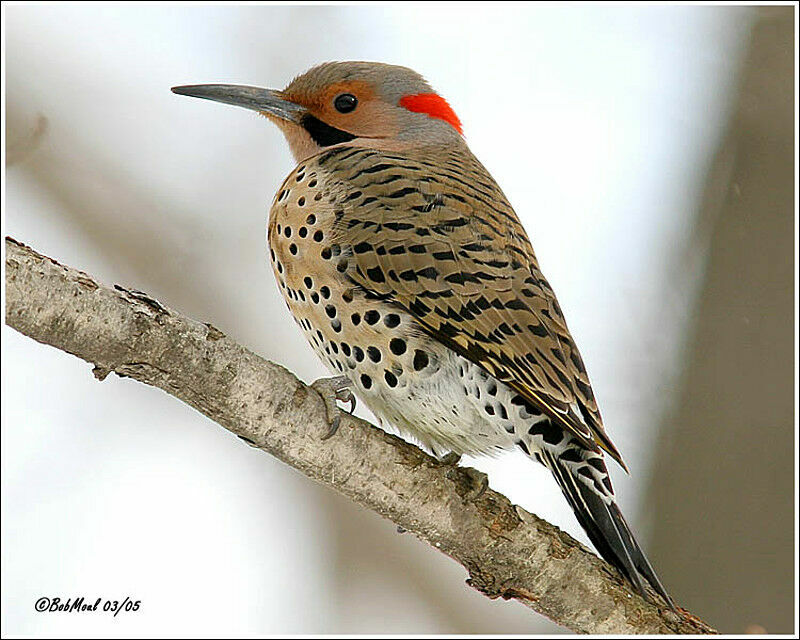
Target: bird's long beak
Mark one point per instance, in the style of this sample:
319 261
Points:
266 101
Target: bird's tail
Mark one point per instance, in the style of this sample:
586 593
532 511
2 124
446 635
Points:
588 490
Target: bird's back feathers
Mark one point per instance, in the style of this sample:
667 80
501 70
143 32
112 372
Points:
432 231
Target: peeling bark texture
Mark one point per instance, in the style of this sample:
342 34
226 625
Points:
507 551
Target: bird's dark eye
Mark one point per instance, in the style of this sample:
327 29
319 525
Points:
345 102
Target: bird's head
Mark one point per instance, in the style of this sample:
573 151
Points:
364 104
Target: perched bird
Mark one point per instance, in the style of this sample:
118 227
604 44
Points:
415 283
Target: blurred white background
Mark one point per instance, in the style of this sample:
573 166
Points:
601 125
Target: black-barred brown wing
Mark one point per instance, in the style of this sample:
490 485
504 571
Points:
433 233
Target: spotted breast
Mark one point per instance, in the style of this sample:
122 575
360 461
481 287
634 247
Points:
400 286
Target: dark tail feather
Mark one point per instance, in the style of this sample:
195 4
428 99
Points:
607 529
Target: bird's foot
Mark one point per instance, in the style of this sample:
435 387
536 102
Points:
479 481
451 459
331 390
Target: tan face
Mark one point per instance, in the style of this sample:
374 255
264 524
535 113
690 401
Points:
370 118
351 108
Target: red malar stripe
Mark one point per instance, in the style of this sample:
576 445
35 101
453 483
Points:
434 105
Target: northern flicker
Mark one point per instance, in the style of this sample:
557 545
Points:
413 280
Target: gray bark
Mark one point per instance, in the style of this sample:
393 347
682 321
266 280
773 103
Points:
507 551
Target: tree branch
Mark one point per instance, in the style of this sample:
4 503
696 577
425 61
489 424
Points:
507 551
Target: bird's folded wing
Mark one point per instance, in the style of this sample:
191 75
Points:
443 243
